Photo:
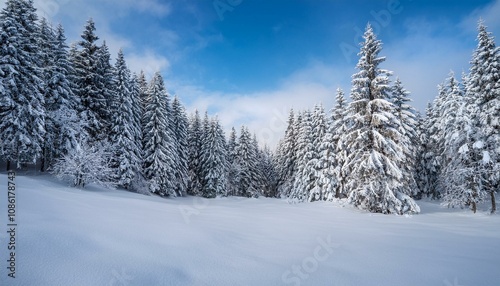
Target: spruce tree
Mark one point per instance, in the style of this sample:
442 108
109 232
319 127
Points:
306 160
195 141
233 167
374 157
123 136
246 159
484 88
180 130
286 161
94 102
213 161
159 158
22 104
406 116
459 180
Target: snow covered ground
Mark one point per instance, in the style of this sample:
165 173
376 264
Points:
68 236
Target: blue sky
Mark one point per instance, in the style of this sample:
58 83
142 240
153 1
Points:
250 61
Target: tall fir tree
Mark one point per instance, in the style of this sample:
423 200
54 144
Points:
246 158
61 124
374 157
123 135
331 155
195 141
459 182
94 104
180 130
484 88
286 160
213 160
159 152
406 116
233 167
22 103
306 160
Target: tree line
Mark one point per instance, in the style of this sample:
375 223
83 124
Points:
73 113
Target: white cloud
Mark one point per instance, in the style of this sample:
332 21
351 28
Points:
266 112
148 61
489 14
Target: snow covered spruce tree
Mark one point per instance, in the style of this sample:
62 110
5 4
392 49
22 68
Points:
61 122
213 160
319 126
233 167
125 128
268 173
195 140
306 160
106 85
331 155
373 164
407 121
180 130
94 107
159 149
286 158
22 104
459 181
484 88
246 158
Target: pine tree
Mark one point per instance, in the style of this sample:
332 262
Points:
459 182
331 155
106 85
316 164
233 167
246 159
22 104
61 124
407 121
213 161
286 160
374 155
268 173
94 102
68 123
180 130
484 88
159 160
303 187
127 154
195 142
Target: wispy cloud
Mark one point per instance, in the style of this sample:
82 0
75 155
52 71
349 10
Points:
266 112
148 61
489 14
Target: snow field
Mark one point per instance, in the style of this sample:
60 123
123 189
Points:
94 236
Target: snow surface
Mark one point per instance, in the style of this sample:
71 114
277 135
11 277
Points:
94 236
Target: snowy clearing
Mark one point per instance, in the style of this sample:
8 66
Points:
68 236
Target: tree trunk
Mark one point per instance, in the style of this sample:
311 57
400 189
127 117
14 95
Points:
493 203
8 165
42 165
474 207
